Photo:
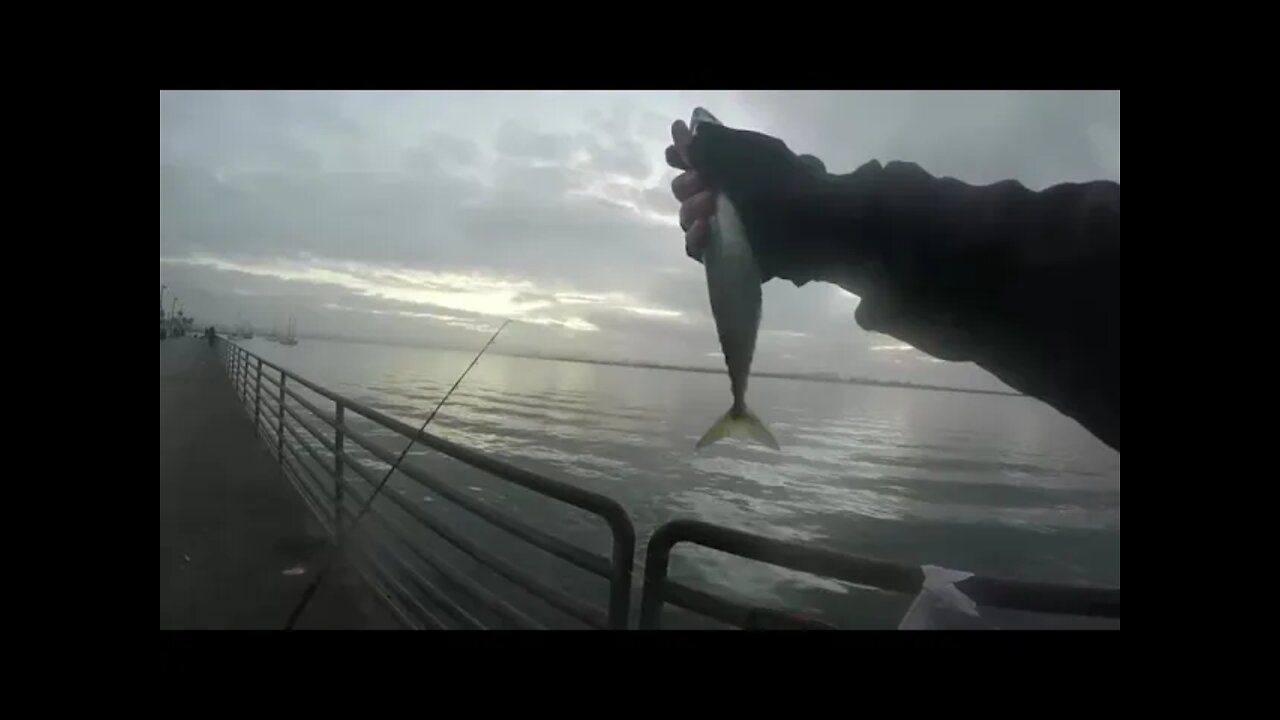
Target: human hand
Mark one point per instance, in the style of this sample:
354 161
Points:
758 172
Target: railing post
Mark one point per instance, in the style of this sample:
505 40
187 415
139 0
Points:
338 415
657 559
280 423
257 400
624 550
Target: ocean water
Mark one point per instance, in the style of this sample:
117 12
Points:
996 485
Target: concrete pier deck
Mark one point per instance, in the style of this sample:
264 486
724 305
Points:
231 523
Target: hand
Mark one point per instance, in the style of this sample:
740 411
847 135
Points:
762 177
697 201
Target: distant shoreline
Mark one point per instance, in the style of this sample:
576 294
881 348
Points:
810 377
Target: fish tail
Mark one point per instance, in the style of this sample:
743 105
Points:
739 422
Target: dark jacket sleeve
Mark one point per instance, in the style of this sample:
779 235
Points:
1026 284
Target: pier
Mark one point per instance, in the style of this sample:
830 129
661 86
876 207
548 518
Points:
238 545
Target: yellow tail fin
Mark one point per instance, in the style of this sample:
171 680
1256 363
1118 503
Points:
746 425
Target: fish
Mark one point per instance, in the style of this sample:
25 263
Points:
733 285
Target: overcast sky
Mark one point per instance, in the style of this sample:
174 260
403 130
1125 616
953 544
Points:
428 217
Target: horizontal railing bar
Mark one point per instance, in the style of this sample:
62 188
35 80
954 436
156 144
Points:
325 416
819 561
315 455
451 573
305 382
1010 594
732 612
480 593
379 574
269 435
553 596
554 545
269 404
620 525
316 485
431 621
315 432
433 593
397 605
316 482
386 589
308 492
370 476
424 619
310 451
704 603
299 484
601 505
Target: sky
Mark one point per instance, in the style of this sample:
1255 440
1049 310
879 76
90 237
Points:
429 217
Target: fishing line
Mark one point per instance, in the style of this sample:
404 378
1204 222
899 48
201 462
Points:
336 551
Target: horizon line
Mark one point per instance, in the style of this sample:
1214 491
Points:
810 376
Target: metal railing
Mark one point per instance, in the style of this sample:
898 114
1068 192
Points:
271 397
994 592
329 484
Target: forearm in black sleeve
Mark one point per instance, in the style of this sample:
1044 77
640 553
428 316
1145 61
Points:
1026 284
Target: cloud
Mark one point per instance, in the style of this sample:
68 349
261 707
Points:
517 140
473 293
412 215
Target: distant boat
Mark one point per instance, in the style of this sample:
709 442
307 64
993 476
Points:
289 338
244 330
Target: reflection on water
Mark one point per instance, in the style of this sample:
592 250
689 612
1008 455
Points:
996 485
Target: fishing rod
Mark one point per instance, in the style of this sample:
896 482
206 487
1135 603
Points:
337 548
